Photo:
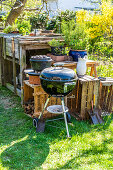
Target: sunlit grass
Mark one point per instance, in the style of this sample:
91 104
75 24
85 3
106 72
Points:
21 148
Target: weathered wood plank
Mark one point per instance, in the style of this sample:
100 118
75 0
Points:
83 100
8 47
96 93
22 67
14 65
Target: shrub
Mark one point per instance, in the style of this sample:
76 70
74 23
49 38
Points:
24 27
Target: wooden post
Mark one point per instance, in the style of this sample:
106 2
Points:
0 60
2 69
22 67
14 65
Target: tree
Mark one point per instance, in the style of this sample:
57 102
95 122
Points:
15 11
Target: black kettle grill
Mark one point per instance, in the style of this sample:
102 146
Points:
57 82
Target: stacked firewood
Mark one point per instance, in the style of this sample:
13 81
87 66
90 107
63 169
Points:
29 107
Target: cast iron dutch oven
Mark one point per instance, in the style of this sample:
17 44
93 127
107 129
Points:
39 62
58 81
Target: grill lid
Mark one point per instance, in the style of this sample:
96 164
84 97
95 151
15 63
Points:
58 73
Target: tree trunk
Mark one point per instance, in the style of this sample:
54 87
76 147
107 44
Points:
15 11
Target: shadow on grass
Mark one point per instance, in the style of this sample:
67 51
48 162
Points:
21 147
29 153
100 156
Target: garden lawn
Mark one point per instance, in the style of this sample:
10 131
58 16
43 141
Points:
21 148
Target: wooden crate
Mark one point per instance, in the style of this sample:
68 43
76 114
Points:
36 93
106 95
79 101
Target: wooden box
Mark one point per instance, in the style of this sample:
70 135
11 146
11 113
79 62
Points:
106 95
79 101
37 94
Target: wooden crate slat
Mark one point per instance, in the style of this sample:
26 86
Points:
96 92
74 100
90 94
106 96
110 105
83 99
77 101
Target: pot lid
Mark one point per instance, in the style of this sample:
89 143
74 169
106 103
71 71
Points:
58 73
40 57
34 74
28 71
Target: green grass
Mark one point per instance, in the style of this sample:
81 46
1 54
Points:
21 148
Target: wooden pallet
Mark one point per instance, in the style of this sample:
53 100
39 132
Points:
38 95
79 101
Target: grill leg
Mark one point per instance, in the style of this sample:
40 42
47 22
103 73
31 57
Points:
44 107
64 112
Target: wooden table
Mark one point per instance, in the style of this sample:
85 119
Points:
73 65
14 62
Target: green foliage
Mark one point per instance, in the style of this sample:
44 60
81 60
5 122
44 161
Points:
55 43
10 28
80 45
51 24
68 31
103 48
66 15
57 47
39 21
56 22
105 68
75 35
24 27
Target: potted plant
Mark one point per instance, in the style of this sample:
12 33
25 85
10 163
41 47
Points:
76 38
11 29
24 27
78 49
57 47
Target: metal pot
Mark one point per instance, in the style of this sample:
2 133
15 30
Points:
58 81
40 62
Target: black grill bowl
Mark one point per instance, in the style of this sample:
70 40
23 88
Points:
58 81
